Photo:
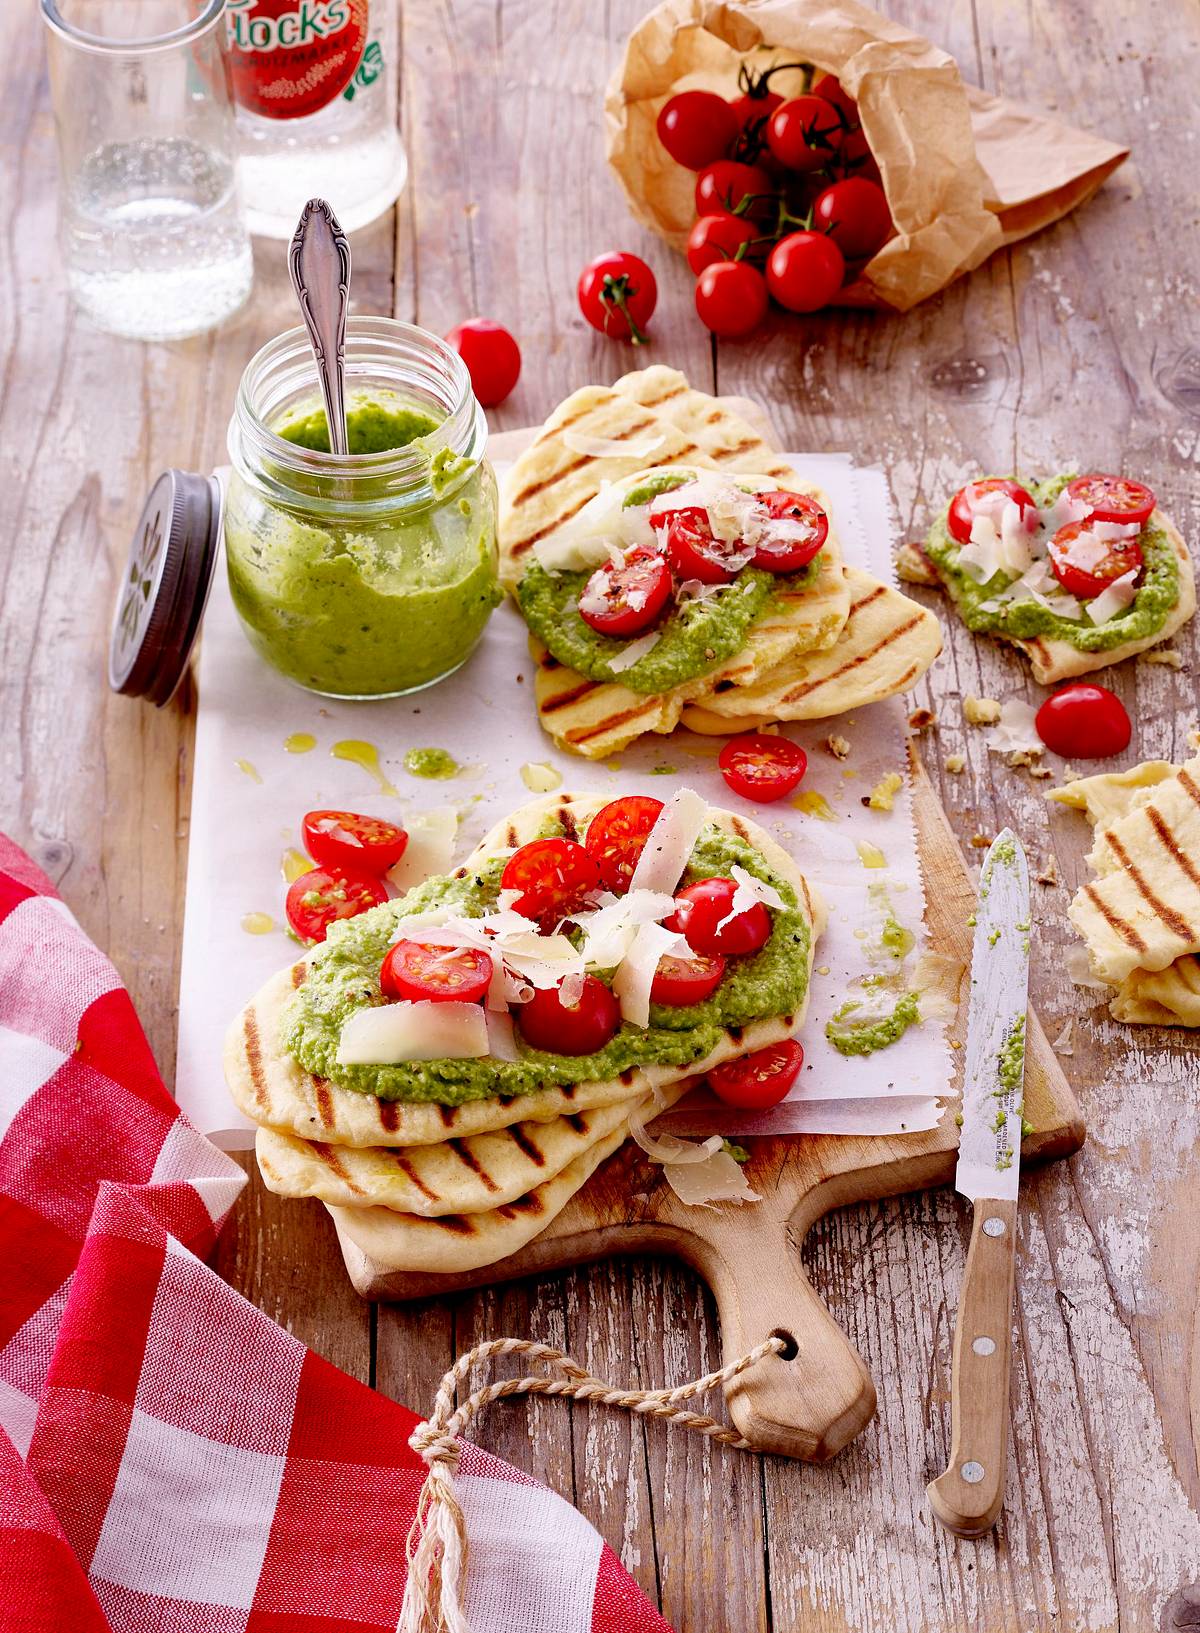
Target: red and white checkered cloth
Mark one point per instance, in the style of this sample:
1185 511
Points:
171 1461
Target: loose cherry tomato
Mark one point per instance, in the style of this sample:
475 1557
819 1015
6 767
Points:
617 295
616 837
1114 498
697 128
492 356
781 553
414 970
830 89
805 133
577 1029
717 238
679 981
621 600
1084 722
721 187
805 270
322 895
361 843
762 768
855 214
962 507
700 910
694 549
731 298
555 878
759 1080
1085 565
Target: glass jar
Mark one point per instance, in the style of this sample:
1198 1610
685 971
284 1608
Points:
373 574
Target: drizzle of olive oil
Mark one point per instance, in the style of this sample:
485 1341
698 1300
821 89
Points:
249 768
814 804
257 924
870 855
365 755
300 742
292 864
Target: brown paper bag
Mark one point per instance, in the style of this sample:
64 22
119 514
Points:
964 172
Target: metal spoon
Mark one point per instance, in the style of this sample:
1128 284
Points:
319 262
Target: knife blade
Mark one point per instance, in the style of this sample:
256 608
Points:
967 1498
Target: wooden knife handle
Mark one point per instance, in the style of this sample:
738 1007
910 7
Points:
967 1499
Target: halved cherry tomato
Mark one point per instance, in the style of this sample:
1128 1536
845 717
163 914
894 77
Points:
621 600
1085 565
361 843
680 981
805 132
731 299
717 238
576 1029
1114 498
722 186
322 895
413 969
697 128
855 214
787 555
694 550
555 878
616 837
1084 722
762 768
805 270
699 914
758 1080
962 507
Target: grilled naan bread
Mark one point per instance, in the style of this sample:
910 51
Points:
658 417
1145 996
887 644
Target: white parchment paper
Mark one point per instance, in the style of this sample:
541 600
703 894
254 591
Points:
250 794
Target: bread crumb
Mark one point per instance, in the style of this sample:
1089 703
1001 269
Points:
980 842
1021 758
956 763
1062 1044
883 796
1069 773
1049 870
981 711
835 745
1041 771
1168 656
1193 737
921 719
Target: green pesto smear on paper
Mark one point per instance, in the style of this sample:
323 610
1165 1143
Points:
859 1029
431 762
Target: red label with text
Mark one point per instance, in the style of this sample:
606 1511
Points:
290 57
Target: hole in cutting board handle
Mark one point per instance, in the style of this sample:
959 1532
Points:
791 1348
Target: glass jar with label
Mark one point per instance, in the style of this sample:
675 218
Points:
314 83
372 574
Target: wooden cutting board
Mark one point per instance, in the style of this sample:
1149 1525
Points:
809 1406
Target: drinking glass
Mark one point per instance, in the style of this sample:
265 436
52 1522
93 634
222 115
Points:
153 236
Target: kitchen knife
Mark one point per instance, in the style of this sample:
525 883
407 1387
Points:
967 1498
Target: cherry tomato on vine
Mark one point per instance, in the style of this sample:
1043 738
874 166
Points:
417 971
553 877
805 270
345 839
722 186
731 298
762 768
1114 498
805 133
1086 565
686 980
322 895
759 1080
546 1022
697 127
829 88
700 914
623 599
961 514
617 295
752 111
786 550
694 548
717 238
617 835
855 214
1084 722
492 356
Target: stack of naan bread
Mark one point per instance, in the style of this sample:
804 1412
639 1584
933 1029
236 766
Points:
1140 915
831 646
418 1186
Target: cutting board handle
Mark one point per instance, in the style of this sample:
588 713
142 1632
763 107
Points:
813 1400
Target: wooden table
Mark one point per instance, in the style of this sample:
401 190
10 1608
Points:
1080 346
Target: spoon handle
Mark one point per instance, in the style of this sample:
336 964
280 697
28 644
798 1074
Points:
319 262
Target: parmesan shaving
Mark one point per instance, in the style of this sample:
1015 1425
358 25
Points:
609 930
430 848
1079 969
1014 731
636 650
750 891
1119 595
392 1033
1064 1043
635 974
502 1038
670 843
580 442
701 1173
